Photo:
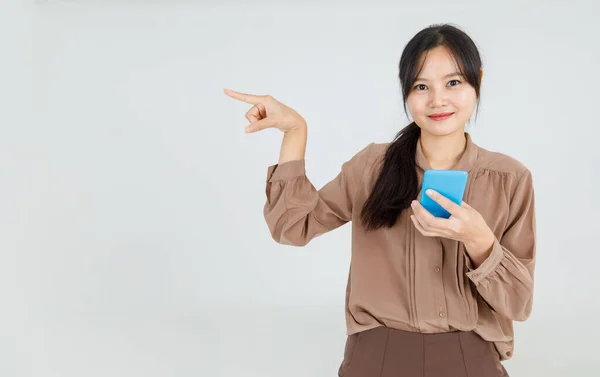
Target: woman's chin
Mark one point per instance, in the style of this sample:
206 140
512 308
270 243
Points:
442 129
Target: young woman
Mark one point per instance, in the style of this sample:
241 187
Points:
426 296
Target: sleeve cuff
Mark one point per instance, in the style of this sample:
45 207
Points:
289 169
488 266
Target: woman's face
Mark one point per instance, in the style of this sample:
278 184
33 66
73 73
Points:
439 89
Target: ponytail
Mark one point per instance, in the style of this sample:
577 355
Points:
397 183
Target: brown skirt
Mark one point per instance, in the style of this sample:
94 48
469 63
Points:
387 352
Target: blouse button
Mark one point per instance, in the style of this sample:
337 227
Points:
437 269
475 275
442 314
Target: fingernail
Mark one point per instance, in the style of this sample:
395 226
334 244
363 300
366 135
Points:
413 204
248 129
429 192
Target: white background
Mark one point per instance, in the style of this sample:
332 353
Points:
132 241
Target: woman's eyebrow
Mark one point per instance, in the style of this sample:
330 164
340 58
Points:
448 75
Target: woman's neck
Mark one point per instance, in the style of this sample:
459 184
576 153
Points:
443 152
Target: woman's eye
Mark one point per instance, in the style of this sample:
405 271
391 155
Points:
422 87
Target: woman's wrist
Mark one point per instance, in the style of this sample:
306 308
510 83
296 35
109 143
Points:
480 250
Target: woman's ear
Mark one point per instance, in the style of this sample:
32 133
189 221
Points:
480 74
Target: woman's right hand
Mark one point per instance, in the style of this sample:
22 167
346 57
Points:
267 112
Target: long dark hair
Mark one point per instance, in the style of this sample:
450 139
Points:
397 183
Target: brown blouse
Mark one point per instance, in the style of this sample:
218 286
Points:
402 279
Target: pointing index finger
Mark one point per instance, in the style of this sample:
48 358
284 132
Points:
248 98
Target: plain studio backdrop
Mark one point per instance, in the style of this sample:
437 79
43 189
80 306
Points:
132 239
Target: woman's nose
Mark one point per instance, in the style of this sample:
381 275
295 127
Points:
438 98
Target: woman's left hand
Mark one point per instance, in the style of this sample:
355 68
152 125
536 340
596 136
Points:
465 225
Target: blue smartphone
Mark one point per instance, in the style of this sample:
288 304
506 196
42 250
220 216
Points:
450 183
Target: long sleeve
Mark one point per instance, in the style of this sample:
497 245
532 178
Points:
505 278
296 212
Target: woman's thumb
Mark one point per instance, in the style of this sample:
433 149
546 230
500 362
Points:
260 125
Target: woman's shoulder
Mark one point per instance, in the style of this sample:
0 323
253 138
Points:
375 152
501 163
370 152
378 149
363 163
